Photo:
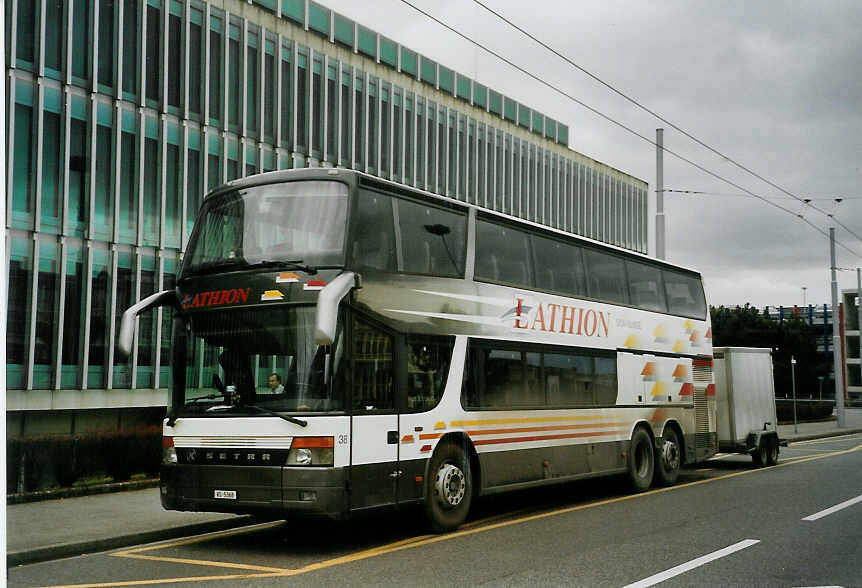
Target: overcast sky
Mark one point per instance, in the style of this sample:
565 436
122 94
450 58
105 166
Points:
773 85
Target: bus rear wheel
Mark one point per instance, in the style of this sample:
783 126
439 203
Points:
641 460
448 488
669 458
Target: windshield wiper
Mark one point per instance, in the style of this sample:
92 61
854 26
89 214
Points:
295 264
286 417
207 397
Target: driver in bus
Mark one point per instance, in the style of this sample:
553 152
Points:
275 385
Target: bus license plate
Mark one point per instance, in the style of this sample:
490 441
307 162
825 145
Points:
225 494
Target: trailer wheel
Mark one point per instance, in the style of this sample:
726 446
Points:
760 455
449 488
668 458
772 451
641 460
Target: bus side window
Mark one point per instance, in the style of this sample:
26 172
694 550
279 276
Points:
373 243
372 368
427 371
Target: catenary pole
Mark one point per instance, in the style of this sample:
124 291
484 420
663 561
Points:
836 336
659 194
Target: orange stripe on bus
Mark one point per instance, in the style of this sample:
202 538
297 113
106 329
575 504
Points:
430 436
544 437
540 429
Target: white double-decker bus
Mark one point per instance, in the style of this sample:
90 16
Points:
343 343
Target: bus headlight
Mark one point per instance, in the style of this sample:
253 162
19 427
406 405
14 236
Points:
308 451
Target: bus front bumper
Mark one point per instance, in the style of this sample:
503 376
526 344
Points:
288 491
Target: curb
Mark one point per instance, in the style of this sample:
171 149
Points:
75 492
53 552
822 435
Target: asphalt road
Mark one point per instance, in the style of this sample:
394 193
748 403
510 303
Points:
725 524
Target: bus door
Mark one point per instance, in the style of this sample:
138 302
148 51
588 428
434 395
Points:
374 445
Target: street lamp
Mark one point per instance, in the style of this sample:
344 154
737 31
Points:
804 302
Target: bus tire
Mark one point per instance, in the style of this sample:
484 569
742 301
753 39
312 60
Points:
668 458
772 451
449 488
641 460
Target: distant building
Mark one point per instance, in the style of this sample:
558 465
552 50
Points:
123 113
820 317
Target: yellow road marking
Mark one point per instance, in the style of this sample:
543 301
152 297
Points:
427 539
202 562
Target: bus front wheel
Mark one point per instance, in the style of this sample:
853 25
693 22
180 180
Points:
449 488
641 462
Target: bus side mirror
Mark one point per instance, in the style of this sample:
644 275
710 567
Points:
327 306
127 326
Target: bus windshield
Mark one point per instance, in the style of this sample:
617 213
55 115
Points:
302 222
255 361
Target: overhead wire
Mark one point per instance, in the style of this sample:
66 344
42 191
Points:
619 124
682 131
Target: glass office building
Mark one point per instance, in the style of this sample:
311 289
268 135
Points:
123 113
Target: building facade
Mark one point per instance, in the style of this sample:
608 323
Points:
121 114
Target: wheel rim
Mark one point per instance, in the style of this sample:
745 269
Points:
670 454
449 485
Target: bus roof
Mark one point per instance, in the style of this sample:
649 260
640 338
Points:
354 177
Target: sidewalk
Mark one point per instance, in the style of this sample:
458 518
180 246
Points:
52 529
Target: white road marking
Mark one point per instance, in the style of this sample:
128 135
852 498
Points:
824 440
695 563
836 508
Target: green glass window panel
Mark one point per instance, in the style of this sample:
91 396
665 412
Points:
27 14
106 42
550 128
51 188
47 311
464 88
495 102
128 189
153 65
79 107
174 77
480 95
72 318
270 4
510 109
388 52
79 173
101 282
294 10
53 100
234 80
18 312
523 116
173 205
215 72
54 38
152 198
344 30
318 18
213 171
130 46
428 71
24 93
104 183
194 192
176 7
122 377
214 145
23 168
367 42
252 89
538 122
232 148
447 79
563 134
80 38
408 61
104 114
235 32
146 324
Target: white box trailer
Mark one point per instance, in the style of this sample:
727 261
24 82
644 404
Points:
747 419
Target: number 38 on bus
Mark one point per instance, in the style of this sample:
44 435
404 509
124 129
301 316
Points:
343 343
